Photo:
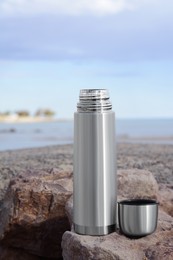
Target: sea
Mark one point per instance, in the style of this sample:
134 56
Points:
28 135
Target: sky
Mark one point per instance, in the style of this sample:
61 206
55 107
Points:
49 50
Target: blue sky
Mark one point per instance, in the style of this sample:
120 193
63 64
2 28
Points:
49 50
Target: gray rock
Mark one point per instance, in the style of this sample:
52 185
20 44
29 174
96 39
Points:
154 158
134 183
7 253
32 200
35 216
166 198
117 246
131 184
69 209
35 185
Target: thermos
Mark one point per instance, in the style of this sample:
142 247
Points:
94 195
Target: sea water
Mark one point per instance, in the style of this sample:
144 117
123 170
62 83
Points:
28 135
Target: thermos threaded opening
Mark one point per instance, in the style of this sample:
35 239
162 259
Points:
94 100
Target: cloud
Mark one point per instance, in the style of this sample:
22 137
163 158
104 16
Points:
69 7
124 37
145 34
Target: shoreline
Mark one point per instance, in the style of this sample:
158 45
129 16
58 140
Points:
167 140
37 141
32 120
34 132
129 142
154 157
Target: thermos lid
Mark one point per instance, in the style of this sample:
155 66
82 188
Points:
137 217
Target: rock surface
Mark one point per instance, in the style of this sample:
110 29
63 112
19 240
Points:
154 158
7 253
166 198
132 183
32 211
135 183
36 213
156 246
35 185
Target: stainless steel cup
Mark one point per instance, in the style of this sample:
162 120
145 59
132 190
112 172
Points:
137 217
94 194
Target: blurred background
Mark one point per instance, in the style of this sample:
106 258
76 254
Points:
49 50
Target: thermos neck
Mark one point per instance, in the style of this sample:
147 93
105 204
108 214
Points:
94 100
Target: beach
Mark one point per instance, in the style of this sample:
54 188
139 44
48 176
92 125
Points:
35 198
156 158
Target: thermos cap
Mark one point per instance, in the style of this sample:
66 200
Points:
137 217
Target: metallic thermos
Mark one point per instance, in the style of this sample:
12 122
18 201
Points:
94 195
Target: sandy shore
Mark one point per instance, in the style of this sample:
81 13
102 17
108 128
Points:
155 158
25 119
146 139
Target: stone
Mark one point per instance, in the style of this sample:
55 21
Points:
34 187
135 183
7 253
69 209
154 158
33 212
117 246
166 198
36 195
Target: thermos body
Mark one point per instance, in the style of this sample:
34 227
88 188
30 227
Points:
94 195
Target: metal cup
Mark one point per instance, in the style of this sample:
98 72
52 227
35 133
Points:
137 217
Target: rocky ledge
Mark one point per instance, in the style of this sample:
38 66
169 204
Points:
36 205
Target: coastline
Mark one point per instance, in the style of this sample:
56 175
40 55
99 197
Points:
28 132
156 158
156 140
30 119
